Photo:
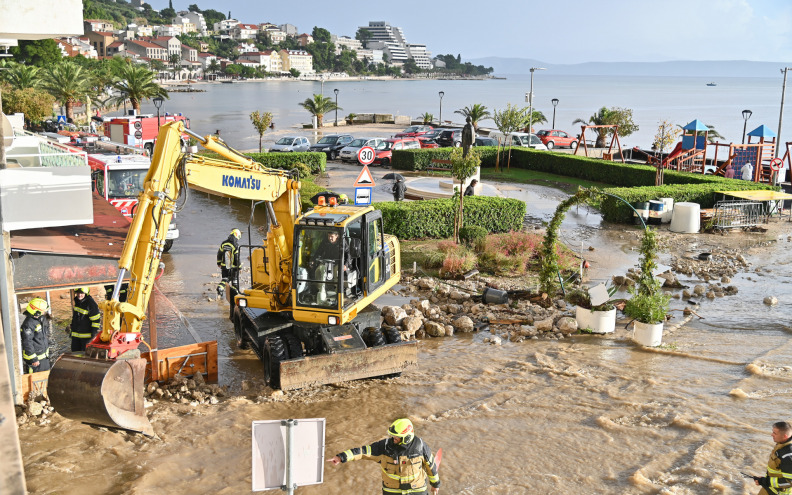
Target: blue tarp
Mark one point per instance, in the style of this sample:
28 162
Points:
763 132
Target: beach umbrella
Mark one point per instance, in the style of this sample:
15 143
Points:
393 176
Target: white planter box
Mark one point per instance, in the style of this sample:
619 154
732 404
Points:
596 321
650 335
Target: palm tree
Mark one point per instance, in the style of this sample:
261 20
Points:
477 112
602 117
21 76
136 83
426 117
319 105
537 118
68 83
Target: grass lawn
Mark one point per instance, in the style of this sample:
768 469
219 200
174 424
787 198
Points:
522 176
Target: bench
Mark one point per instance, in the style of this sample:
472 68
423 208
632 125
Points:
440 169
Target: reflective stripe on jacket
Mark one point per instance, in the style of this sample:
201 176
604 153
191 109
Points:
229 245
85 318
779 468
35 341
405 469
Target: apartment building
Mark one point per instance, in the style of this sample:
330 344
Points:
100 40
297 59
244 31
195 18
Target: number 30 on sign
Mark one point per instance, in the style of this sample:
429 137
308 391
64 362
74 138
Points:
366 155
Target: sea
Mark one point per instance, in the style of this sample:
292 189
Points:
678 100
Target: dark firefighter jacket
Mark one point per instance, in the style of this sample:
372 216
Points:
779 468
35 341
85 318
405 468
398 190
232 246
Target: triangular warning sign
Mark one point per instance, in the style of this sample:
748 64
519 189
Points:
365 179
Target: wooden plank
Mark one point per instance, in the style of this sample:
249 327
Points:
35 383
187 359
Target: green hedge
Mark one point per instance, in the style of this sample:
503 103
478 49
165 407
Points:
633 181
434 218
284 161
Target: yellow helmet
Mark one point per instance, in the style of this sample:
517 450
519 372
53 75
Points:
402 428
84 290
343 198
37 306
236 233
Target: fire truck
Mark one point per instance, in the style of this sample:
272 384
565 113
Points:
119 179
139 131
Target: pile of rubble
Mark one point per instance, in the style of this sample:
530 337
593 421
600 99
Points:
183 390
36 411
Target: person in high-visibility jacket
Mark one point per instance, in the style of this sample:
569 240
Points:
86 317
35 337
778 479
407 461
228 260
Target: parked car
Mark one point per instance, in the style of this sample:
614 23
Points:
332 144
291 143
553 138
485 141
427 142
518 139
384 152
449 138
349 152
414 131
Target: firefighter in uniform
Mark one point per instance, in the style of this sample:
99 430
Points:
228 260
407 461
35 337
85 319
778 479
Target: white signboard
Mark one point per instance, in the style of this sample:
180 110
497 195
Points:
363 196
366 155
269 453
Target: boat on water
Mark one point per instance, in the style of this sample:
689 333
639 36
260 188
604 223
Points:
712 84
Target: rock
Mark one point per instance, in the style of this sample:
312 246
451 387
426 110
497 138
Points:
771 300
449 331
411 324
422 306
420 333
277 393
458 295
725 280
213 400
152 387
686 294
544 325
245 385
199 379
22 419
699 290
463 324
567 325
560 304
434 329
34 408
394 315
496 341
427 283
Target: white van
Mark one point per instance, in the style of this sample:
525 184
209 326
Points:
518 139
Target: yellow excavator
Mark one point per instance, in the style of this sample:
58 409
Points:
308 313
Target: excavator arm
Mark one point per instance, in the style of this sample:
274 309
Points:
105 385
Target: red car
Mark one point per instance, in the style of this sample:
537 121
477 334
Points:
384 151
427 142
414 131
554 138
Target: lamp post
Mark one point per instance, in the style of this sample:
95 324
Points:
336 93
530 102
158 103
781 114
554 101
746 115
440 120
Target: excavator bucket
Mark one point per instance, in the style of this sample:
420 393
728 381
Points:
101 392
348 365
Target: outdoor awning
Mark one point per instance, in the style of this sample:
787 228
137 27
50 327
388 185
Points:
65 257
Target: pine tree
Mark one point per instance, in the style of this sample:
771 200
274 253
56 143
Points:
170 4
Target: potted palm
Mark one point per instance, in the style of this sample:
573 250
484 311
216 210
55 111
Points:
648 305
596 310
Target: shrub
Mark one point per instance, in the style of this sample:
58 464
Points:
302 169
457 263
472 235
316 162
434 219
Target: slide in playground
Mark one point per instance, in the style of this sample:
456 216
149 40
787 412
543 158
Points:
674 153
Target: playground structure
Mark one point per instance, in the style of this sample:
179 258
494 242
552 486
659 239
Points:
605 156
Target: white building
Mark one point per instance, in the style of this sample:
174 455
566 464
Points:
297 59
275 34
186 25
267 60
289 29
196 18
246 47
167 30
345 41
225 25
141 30
391 41
422 58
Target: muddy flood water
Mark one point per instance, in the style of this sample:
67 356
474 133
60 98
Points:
586 415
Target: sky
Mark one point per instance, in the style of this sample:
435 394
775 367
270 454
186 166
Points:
563 32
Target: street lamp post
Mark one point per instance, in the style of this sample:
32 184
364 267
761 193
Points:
530 102
158 103
781 114
440 120
746 115
336 93
554 101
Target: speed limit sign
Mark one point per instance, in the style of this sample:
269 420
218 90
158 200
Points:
366 155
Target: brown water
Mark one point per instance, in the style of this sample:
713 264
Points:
585 415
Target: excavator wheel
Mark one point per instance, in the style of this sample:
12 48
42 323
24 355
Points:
294 346
392 335
274 353
239 333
